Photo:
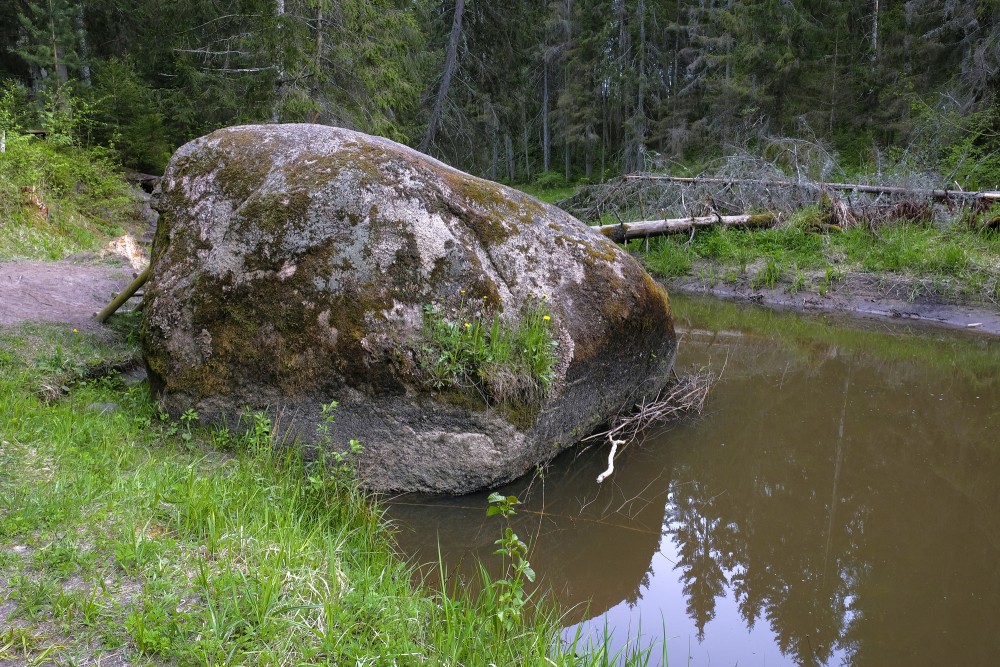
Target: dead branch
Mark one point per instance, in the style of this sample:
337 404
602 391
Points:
684 397
990 195
645 228
126 294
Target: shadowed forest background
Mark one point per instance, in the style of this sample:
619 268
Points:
544 91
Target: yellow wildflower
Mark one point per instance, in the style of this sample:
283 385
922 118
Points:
546 318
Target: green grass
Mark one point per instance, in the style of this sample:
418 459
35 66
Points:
120 537
87 201
965 261
547 193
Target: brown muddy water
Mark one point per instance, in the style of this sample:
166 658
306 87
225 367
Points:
837 503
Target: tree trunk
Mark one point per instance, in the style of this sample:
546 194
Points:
644 228
525 138
495 156
546 136
319 48
84 51
450 63
640 102
874 54
508 144
588 157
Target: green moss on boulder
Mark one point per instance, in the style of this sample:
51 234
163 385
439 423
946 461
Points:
291 267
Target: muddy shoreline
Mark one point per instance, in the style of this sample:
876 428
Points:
863 295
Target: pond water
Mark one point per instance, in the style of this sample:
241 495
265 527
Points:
837 503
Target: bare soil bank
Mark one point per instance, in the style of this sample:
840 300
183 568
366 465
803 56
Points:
861 294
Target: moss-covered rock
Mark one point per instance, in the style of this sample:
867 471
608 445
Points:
291 266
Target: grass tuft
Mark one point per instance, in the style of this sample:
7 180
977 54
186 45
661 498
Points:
503 363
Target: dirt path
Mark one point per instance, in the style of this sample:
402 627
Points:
58 292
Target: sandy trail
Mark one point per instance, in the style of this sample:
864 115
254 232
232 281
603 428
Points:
58 292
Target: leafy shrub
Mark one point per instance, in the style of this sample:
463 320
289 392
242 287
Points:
550 179
76 199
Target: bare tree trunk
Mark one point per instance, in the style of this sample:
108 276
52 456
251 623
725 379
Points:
640 103
279 87
588 156
874 54
644 228
524 136
84 52
604 134
319 39
450 63
495 153
546 135
833 87
567 158
508 144
59 69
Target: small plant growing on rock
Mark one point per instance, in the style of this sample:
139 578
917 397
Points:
506 363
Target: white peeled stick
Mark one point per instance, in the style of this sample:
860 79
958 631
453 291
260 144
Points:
611 460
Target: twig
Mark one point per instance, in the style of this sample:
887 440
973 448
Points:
611 460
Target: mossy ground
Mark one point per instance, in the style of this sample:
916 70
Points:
128 537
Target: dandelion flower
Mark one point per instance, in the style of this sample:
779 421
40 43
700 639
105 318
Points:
467 325
75 331
546 318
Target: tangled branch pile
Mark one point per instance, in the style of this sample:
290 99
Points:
683 397
744 183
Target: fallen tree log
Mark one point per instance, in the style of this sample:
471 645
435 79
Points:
126 294
645 228
989 195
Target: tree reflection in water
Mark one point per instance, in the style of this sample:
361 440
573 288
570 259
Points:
841 495
854 505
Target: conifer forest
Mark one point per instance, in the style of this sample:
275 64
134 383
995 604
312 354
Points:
550 90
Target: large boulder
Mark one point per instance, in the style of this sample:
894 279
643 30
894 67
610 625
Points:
295 265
